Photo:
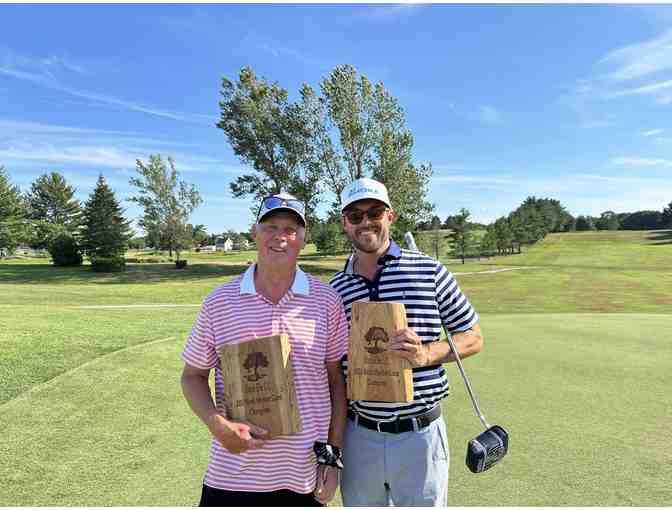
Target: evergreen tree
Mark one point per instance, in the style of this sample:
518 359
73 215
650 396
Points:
504 235
666 217
106 232
488 244
53 209
13 226
608 220
462 236
584 223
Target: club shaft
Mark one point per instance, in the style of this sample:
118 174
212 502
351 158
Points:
466 382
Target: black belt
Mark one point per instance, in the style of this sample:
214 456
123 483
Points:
397 426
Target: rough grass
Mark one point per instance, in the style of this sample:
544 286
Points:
576 366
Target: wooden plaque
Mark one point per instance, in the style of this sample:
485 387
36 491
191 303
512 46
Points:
259 384
373 374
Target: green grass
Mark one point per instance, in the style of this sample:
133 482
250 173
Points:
576 365
583 411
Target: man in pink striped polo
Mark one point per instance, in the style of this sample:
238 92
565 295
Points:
273 296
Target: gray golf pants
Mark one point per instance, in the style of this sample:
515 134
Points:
384 469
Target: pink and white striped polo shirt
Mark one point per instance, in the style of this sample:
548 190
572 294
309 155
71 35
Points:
311 314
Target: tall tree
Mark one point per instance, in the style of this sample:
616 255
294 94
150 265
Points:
504 235
199 234
322 143
272 135
351 105
462 236
53 209
13 225
488 244
167 203
373 141
106 232
584 223
666 217
608 220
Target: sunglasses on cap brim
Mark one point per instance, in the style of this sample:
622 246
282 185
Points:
273 202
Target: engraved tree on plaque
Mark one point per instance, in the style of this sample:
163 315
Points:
253 362
372 337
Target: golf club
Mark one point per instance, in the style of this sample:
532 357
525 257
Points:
489 447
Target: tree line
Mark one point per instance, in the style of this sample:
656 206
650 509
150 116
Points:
49 217
528 224
313 147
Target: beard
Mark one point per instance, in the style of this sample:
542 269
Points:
370 245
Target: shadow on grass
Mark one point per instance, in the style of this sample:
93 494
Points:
135 273
319 271
662 237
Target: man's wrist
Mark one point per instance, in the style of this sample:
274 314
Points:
328 455
212 419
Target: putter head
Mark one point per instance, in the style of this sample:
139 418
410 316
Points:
487 449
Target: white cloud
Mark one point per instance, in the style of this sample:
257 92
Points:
640 59
652 132
105 156
640 162
642 69
390 11
15 127
42 72
279 50
484 180
660 91
81 155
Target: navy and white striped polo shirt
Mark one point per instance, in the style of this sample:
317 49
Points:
432 299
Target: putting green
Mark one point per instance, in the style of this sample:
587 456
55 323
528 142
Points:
585 398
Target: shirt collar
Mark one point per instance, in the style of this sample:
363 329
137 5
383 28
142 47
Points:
393 252
299 286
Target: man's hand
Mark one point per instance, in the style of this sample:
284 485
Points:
235 436
406 343
327 481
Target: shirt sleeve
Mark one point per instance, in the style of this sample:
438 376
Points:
337 343
200 350
456 312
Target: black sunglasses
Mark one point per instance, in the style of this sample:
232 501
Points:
355 216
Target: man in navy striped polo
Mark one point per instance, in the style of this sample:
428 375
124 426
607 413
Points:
397 453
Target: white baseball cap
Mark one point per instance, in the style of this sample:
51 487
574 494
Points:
362 189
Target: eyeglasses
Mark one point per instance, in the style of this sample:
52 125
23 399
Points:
355 216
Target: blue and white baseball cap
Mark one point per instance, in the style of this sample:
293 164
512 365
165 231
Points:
362 189
280 202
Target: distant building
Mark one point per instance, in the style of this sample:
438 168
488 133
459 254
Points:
224 244
243 244
210 247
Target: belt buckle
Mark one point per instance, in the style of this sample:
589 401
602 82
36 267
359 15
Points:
378 424
422 421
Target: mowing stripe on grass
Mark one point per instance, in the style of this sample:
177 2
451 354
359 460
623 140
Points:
489 271
46 384
101 307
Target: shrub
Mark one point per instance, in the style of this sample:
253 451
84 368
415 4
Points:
108 264
180 264
64 251
147 260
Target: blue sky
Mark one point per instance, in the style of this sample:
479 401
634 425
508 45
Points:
572 102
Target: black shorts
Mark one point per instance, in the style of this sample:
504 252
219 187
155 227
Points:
285 497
